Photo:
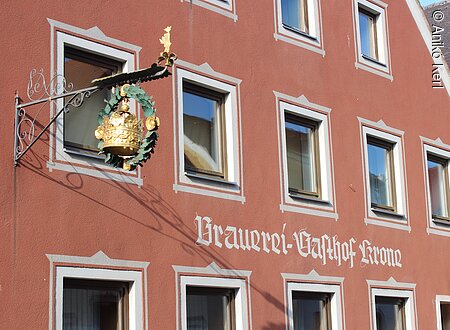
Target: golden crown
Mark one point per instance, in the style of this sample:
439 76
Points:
121 132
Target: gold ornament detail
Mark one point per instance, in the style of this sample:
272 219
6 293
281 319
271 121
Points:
166 55
152 122
121 132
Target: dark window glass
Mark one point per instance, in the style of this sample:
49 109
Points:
95 305
295 14
438 184
445 316
302 160
311 310
80 68
210 308
203 125
381 174
390 313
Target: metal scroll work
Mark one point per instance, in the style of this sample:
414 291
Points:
41 94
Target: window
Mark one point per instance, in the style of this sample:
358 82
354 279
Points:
226 8
298 22
443 312
208 131
302 158
306 173
392 307
384 175
381 174
80 56
313 302
390 313
212 298
372 42
368 34
437 185
311 310
80 68
437 170
210 308
295 15
97 293
204 136
97 305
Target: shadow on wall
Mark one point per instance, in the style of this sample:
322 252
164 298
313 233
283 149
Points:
274 326
162 218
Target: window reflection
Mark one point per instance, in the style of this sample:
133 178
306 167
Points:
203 131
301 158
381 174
437 178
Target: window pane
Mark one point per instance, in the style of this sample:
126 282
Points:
81 123
310 310
390 313
294 14
445 316
93 305
300 156
209 309
367 34
437 177
202 133
381 184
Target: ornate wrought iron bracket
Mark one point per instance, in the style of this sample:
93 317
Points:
57 88
25 130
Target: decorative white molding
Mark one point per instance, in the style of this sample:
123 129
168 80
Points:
227 9
204 75
301 100
312 41
440 299
381 125
215 276
207 69
94 32
313 282
212 269
304 108
391 283
312 276
98 263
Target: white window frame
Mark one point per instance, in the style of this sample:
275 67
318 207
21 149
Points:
400 218
394 293
99 267
204 76
441 150
439 300
313 282
382 65
226 8
313 40
324 206
213 276
95 42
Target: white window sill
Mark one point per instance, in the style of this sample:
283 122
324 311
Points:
374 68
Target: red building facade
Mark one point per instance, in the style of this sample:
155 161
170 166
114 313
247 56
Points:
300 181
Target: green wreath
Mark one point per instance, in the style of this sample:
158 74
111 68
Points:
148 143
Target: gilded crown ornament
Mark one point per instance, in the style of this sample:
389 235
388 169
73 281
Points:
121 133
